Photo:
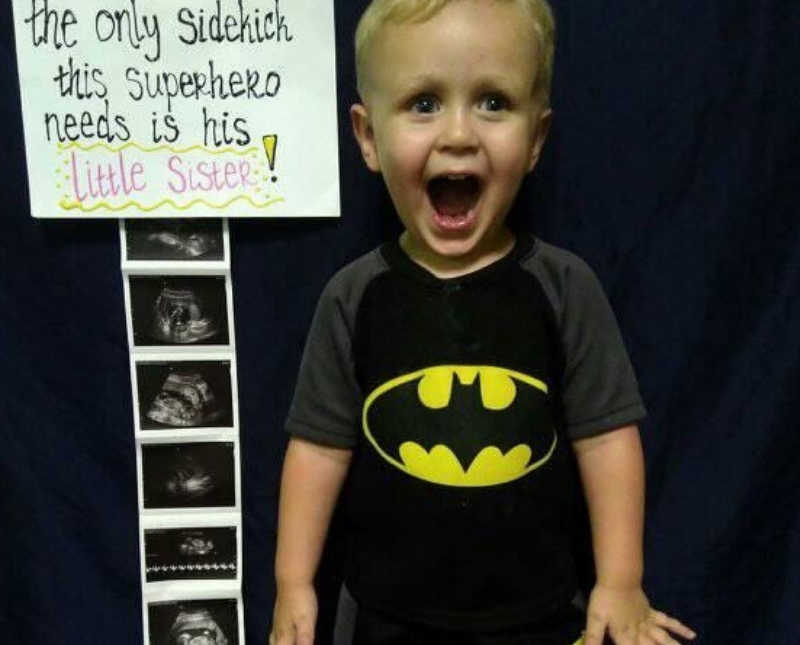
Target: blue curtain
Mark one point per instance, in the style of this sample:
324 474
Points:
672 168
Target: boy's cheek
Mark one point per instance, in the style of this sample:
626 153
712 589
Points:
407 148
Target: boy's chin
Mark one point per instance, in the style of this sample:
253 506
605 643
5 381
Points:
453 255
453 250
444 245
467 237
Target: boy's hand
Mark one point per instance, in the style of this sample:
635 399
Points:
626 615
295 616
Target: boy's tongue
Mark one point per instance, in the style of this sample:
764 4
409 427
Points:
453 197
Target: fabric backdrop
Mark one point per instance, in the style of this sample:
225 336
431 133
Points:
672 168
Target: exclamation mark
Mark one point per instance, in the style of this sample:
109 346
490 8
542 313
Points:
270 144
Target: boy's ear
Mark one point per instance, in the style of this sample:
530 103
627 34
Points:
541 128
365 135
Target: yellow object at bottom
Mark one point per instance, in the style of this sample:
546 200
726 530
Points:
579 641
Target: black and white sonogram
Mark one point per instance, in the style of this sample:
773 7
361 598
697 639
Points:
179 239
184 394
179 310
194 622
188 475
190 554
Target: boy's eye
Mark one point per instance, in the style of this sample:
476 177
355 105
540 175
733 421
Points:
425 104
494 103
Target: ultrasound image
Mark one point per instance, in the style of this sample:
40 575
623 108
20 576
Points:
194 622
190 554
179 239
188 475
184 394
179 310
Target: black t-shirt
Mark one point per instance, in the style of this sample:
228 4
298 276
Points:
460 398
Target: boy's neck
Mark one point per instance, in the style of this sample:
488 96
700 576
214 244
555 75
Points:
452 267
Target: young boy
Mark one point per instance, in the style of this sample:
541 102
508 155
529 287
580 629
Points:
453 375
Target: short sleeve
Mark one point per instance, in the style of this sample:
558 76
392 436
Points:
327 401
599 388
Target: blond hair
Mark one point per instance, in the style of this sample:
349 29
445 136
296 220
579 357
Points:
382 12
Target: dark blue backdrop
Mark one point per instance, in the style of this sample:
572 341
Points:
673 168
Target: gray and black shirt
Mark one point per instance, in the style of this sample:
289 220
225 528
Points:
460 397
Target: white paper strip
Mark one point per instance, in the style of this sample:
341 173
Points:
179 311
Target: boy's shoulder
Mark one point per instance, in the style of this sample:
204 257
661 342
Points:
347 285
569 283
369 264
556 262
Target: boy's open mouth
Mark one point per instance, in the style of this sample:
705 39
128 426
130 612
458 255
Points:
454 196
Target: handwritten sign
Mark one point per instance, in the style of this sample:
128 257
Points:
187 108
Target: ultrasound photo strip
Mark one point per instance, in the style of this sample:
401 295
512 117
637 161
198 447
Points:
179 315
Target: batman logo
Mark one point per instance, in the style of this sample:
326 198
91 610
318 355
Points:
461 425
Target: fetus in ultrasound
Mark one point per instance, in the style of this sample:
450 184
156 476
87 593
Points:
196 627
193 545
178 317
189 480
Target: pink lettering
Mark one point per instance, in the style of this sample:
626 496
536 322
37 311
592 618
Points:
174 161
104 179
208 175
79 195
244 173
136 169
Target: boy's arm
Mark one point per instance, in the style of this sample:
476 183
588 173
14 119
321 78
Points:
612 471
310 484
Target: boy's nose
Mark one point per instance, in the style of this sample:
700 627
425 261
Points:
457 132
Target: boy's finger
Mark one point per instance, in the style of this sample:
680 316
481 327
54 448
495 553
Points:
672 624
593 638
627 637
595 630
305 632
305 637
661 636
283 637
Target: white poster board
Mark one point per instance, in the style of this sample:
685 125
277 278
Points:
164 109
